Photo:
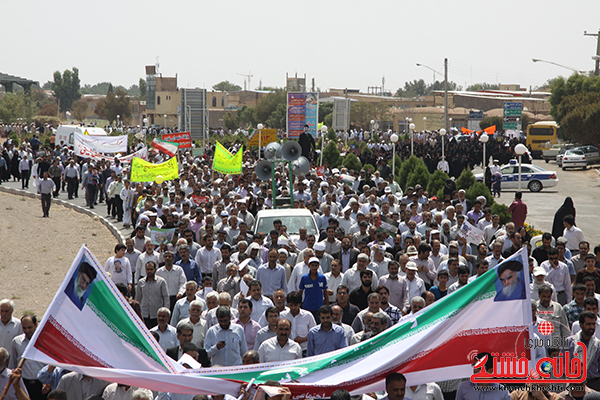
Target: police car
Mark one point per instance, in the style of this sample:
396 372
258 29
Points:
533 177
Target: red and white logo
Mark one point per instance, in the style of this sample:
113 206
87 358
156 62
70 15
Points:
546 328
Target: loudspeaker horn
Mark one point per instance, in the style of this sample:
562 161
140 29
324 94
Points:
264 170
301 166
291 150
273 150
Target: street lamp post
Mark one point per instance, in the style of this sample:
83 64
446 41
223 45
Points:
424 122
118 120
559 65
442 134
484 139
260 128
165 121
412 138
372 128
450 122
394 139
323 133
520 149
145 121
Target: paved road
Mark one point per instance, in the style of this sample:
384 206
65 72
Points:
100 209
582 186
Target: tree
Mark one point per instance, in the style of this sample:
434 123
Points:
352 162
575 105
110 88
491 121
226 86
79 110
272 108
331 155
142 85
408 166
482 86
418 176
436 182
466 179
418 88
115 103
325 109
66 88
479 189
49 109
17 105
231 120
361 113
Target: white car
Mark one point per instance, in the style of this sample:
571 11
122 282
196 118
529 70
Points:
574 158
292 218
533 177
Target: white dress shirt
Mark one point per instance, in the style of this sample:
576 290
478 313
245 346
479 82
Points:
175 279
206 259
271 351
301 324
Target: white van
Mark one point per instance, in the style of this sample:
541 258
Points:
64 133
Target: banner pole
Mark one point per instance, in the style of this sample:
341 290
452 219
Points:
10 381
274 185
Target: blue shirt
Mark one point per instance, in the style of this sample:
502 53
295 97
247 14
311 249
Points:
437 292
313 291
191 270
271 279
320 342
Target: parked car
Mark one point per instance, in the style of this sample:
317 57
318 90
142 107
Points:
591 154
574 158
551 153
533 177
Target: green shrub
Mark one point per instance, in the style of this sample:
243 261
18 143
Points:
479 189
502 211
331 155
368 167
352 162
436 182
408 166
465 180
418 176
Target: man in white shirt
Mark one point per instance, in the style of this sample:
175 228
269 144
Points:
302 320
207 256
174 276
167 333
496 257
9 325
334 279
558 276
281 347
416 286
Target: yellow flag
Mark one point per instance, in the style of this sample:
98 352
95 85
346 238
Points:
143 171
86 132
226 163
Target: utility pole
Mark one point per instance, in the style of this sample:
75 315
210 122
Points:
597 58
446 94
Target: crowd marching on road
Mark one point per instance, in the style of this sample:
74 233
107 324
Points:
227 294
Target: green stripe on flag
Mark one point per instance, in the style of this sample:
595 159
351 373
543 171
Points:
106 306
480 289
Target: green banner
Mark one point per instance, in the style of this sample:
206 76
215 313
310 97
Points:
144 171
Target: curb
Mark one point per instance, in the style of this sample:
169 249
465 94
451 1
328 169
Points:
113 229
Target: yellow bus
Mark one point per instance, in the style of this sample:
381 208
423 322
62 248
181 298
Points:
540 136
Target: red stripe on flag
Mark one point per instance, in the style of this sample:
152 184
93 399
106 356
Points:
57 343
455 352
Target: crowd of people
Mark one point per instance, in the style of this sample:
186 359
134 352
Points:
227 294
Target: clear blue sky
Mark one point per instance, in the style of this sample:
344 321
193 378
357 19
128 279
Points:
338 43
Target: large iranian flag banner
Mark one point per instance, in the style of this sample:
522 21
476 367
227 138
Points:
90 328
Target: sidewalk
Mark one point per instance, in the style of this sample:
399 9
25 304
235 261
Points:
77 204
